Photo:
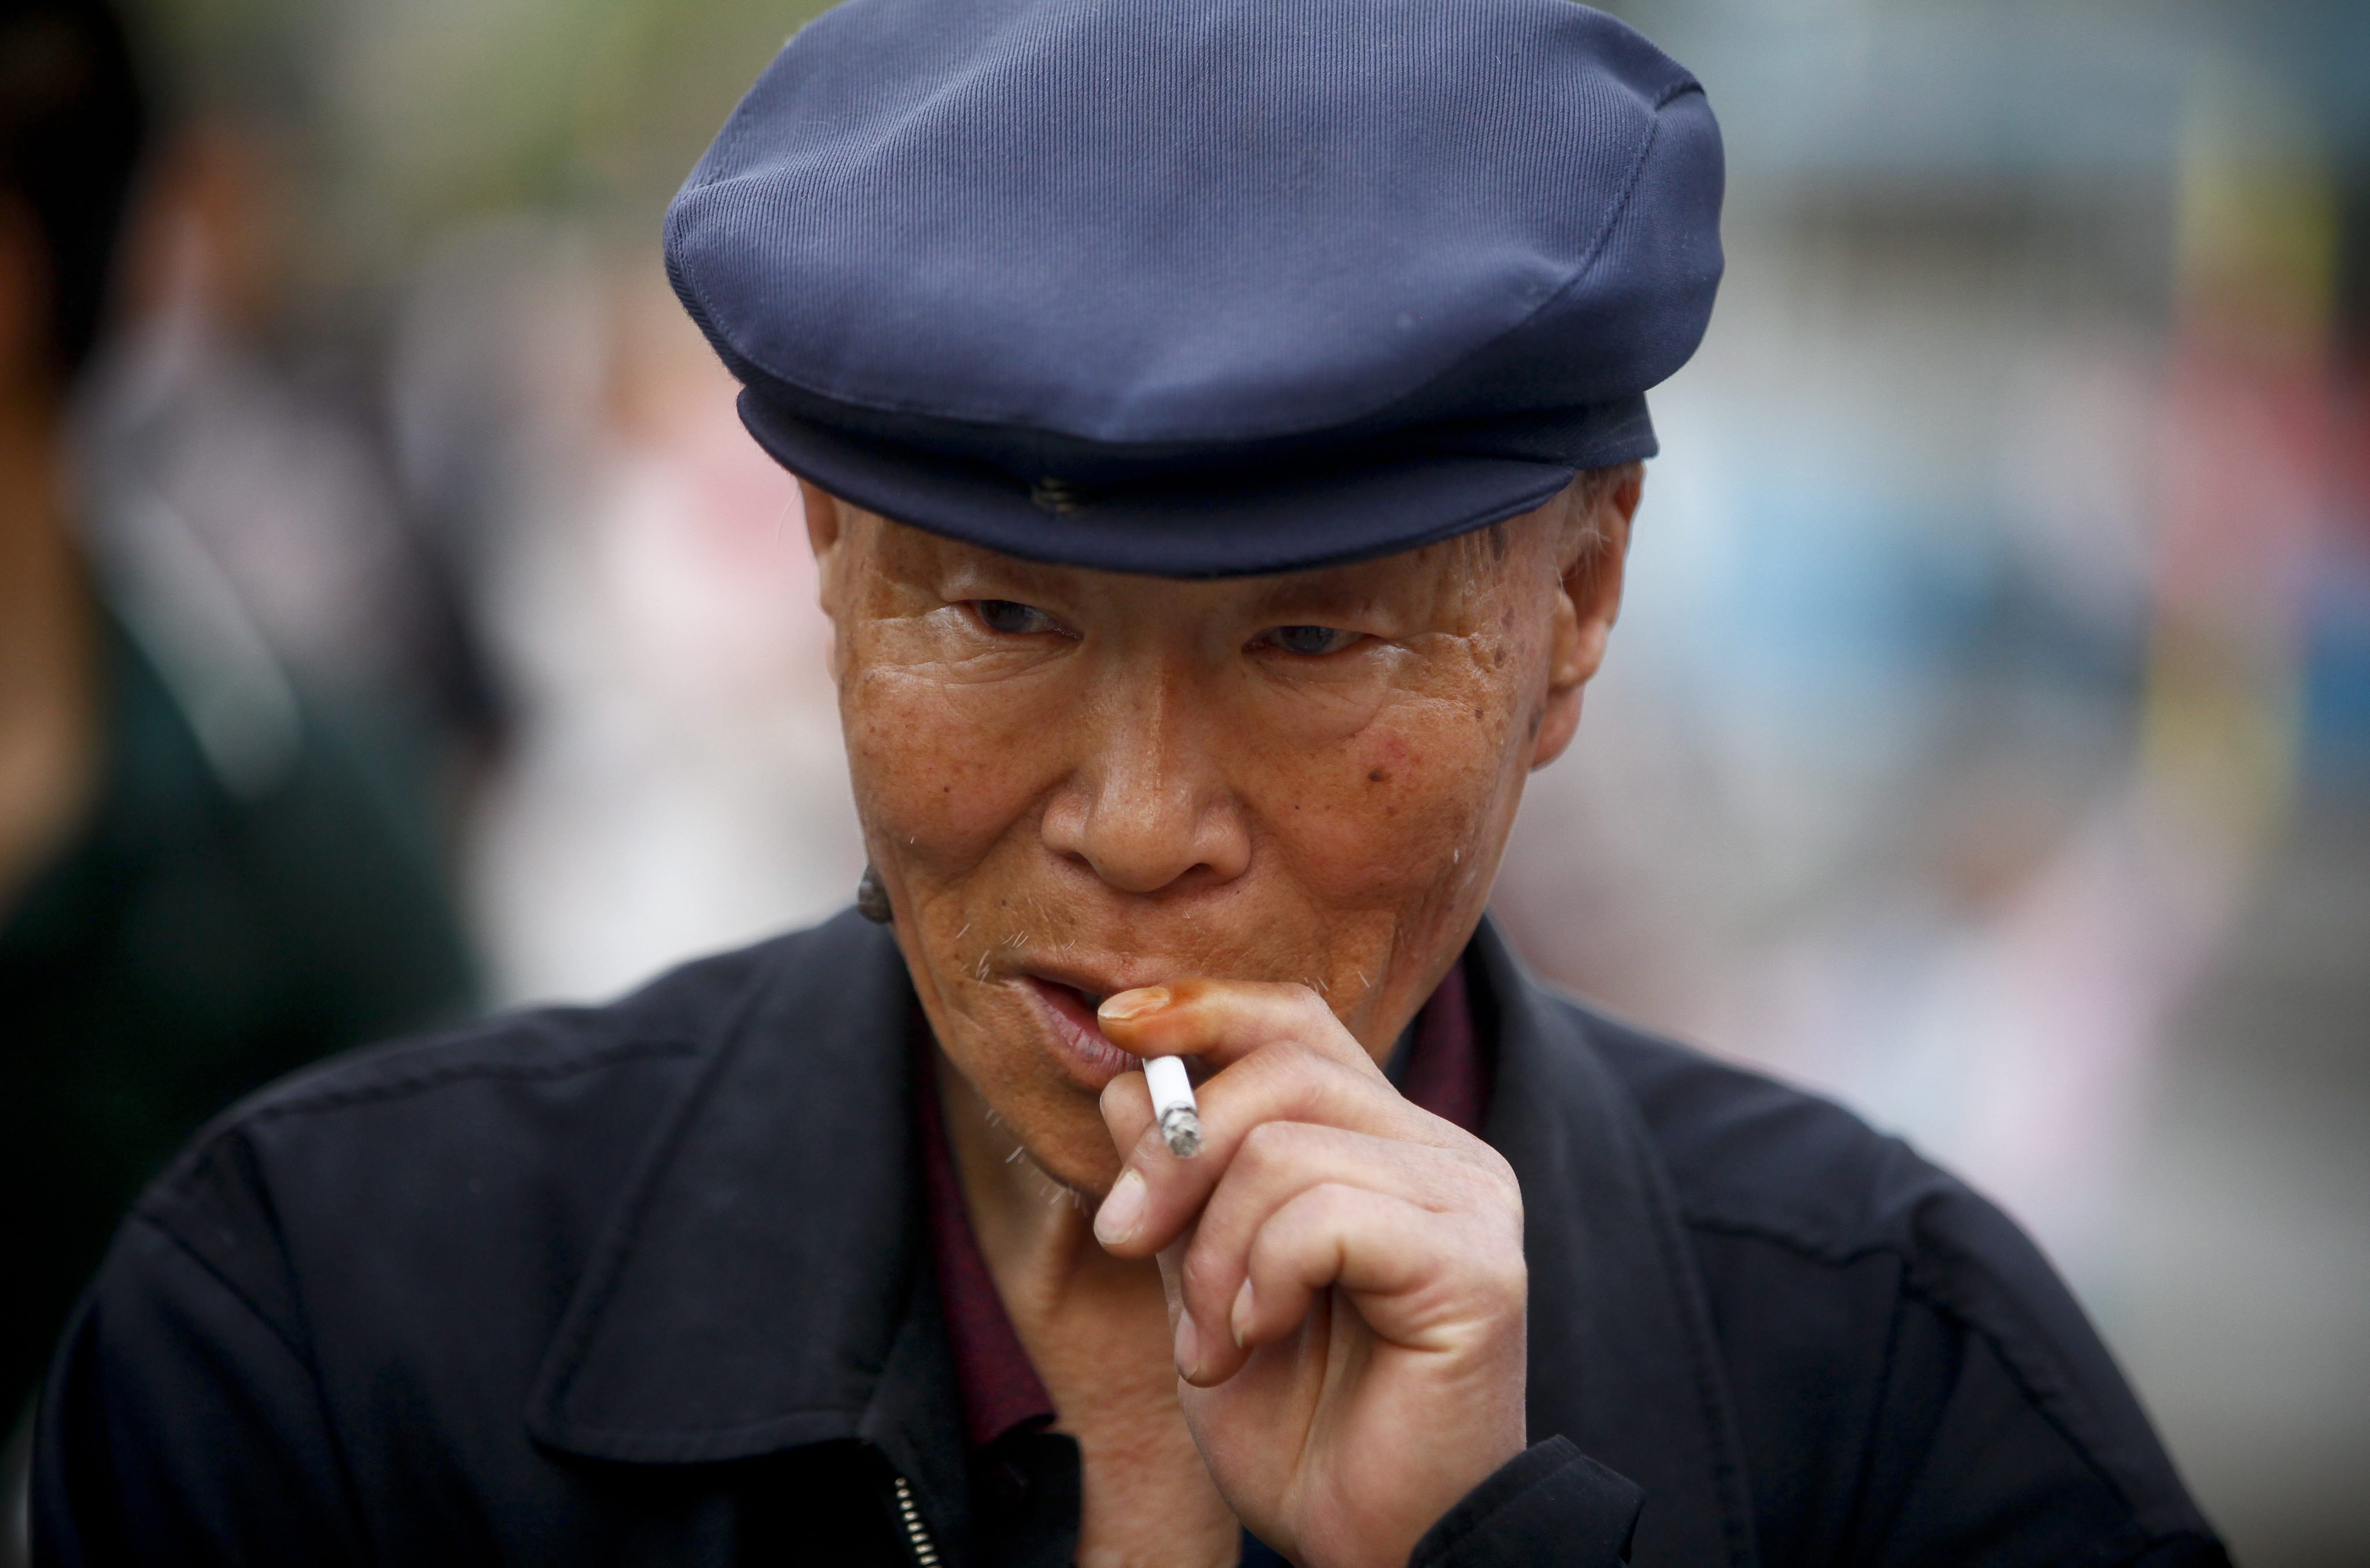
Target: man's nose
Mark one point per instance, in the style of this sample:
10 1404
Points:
1149 806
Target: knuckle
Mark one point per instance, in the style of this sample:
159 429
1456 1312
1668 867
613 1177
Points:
1202 1274
1301 997
1262 1070
1499 1292
1332 1203
1261 1146
1292 1057
1494 1174
1499 1219
1356 1075
1499 1168
1270 1147
1328 1088
1505 1278
1470 1195
1313 1020
1291 1079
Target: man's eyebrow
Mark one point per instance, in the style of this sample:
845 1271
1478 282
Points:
1344 589
1007 578
940 562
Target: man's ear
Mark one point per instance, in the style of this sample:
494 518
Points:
827 536
825 532
1588 601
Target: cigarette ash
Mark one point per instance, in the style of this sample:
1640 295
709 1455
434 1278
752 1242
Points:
1181 1129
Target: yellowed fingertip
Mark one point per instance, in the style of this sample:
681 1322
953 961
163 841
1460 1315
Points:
1122 1007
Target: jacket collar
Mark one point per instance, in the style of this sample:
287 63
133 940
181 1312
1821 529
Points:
759 1275
762 1285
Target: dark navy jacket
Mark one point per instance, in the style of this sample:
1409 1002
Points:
647 1283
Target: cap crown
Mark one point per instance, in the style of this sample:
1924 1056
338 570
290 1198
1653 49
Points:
1138 223
1098 240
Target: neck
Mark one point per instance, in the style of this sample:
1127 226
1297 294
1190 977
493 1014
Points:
1036 1235
1096 1329
49 675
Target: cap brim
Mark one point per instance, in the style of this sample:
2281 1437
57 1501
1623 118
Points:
1284 518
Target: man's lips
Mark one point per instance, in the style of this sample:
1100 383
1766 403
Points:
1069 1011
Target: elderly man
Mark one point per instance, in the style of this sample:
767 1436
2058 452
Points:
1219 427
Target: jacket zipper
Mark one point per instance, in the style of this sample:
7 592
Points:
917 1533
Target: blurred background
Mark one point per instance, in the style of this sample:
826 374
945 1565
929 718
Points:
1986 742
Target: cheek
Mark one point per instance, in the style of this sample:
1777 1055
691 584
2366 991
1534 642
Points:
941 768
1405 814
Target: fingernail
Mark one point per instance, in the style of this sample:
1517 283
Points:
1127 1005
1241 1314
1188 1347
1121 1213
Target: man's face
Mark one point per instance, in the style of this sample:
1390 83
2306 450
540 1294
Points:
1074 782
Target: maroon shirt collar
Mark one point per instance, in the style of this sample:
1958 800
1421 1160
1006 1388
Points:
1446 1072
1001 1392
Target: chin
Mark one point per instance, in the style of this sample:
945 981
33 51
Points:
1057 1123
1063 1134
1089 1174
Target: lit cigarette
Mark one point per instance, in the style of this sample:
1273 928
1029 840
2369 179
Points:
1172 1103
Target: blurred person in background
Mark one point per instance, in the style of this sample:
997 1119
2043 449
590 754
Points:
204 879
672 780
216 400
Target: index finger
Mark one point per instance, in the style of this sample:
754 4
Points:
1221 1021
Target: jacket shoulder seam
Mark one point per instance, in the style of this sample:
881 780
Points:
298 1352
588 1059
2038 1400
1830 1253
2035 1398
254 1308
274 1107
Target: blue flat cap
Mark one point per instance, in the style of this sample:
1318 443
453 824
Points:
1204 287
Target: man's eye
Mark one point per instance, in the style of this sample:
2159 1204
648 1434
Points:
1011 617
1311 640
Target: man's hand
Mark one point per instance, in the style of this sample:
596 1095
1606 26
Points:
1345 1273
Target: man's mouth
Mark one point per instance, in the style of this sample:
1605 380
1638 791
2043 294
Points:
1079 1004
1092 1060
